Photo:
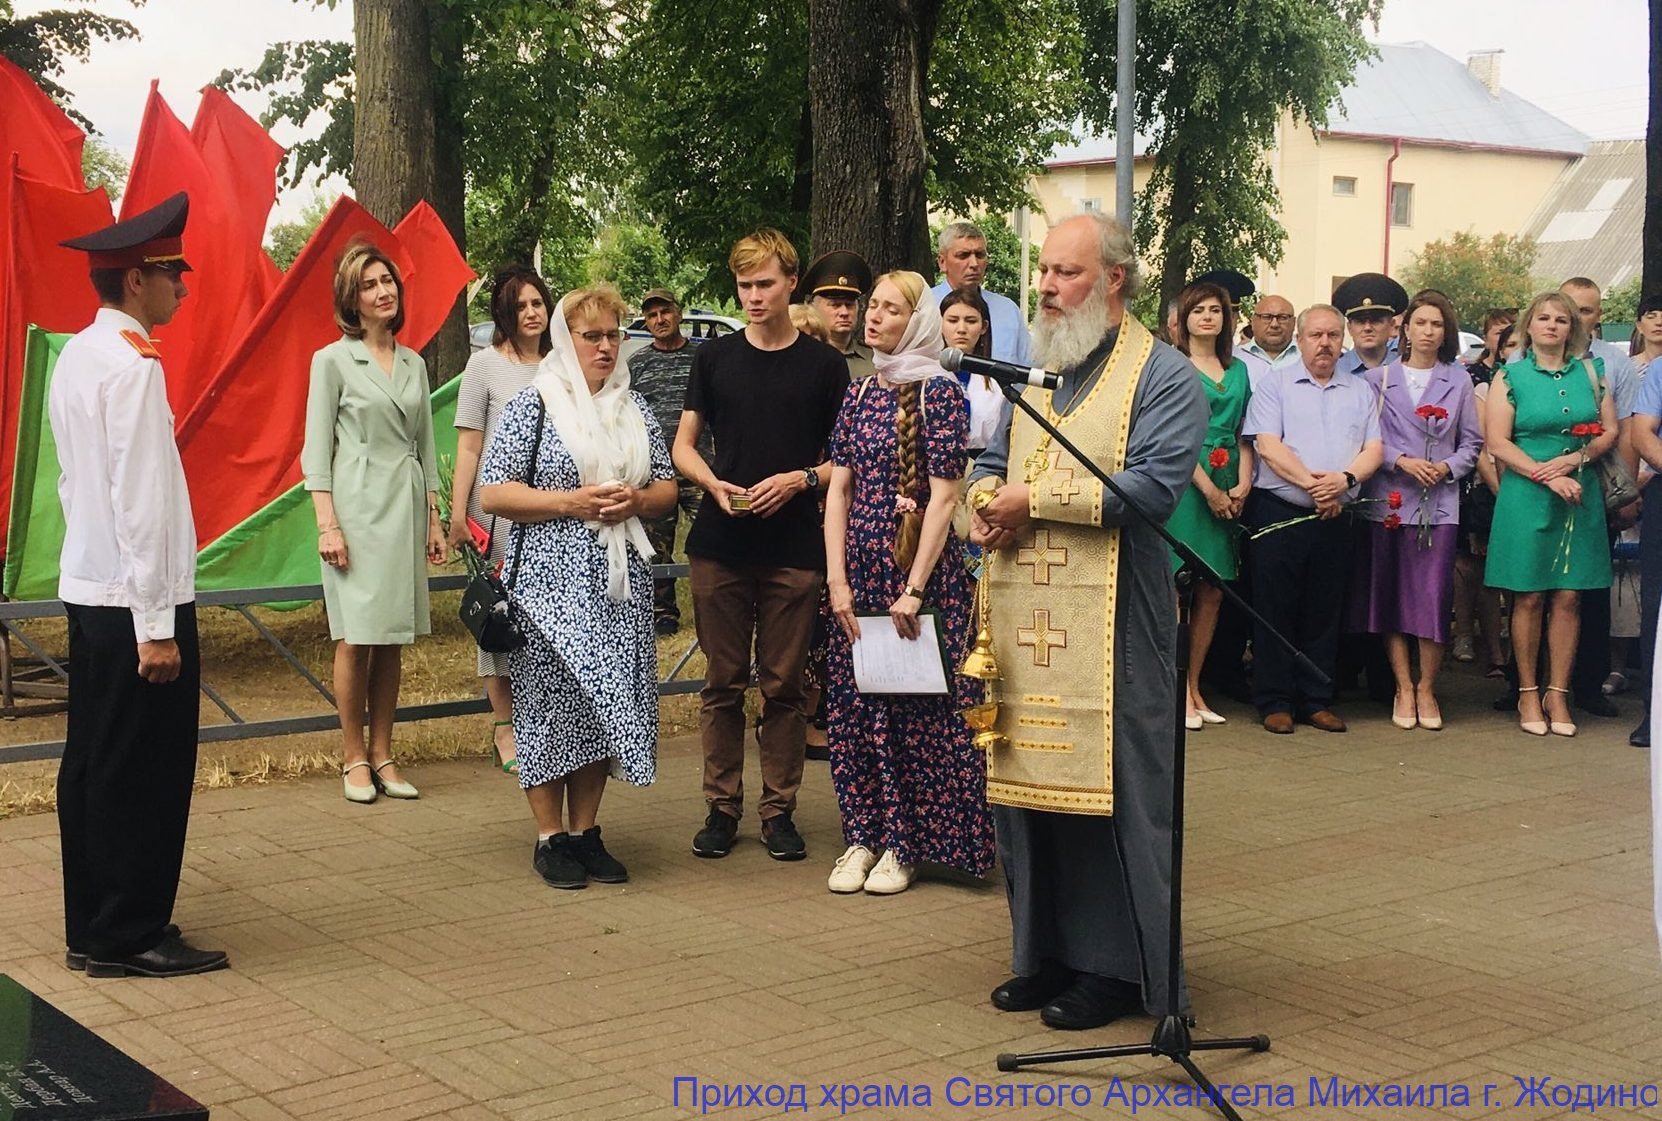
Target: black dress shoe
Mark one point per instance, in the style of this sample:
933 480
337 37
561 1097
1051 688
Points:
1640 736
1024 994
76 960
1598 705
171 957
1091 1002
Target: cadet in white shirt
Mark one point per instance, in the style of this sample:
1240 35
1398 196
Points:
127 577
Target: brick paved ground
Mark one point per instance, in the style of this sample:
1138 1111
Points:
1463 907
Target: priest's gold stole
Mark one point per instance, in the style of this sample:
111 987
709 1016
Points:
1053 597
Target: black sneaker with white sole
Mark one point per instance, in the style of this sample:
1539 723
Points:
602 866
782 839
716 838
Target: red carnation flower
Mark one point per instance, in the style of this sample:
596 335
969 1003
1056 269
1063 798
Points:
1219 457
1592 429
1393 521
1394 500
1431 412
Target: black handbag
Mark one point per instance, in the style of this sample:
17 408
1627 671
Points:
487 603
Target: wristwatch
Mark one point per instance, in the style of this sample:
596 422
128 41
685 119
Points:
1350 480
914 592
811 477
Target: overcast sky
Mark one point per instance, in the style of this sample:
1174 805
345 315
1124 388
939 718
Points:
1590 72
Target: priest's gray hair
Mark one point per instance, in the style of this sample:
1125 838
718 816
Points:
1115 241
954 231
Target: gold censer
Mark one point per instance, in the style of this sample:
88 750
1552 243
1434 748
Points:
981 664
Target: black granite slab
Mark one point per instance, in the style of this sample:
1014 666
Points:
53 1069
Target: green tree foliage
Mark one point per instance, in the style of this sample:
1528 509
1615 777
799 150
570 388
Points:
1475 273
1213 78
714 117
635 256
40 43
103 166
1621 303
287 239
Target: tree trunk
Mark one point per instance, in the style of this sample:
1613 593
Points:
449 350
1178 251
397 159
1652 258
866 67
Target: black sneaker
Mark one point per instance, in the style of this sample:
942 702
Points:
782 839
602 866
665 626
556 862
716 838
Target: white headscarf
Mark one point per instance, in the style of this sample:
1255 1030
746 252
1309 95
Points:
918 354
606 436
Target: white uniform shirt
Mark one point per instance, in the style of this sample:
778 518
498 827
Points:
129 540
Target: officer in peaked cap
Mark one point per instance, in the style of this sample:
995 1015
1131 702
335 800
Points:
127 577
832 285
1238 285
1371 303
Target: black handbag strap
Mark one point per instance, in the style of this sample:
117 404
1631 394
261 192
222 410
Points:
530 480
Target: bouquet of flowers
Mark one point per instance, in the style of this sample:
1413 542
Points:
474 552
1586 433
1392 521
1430 414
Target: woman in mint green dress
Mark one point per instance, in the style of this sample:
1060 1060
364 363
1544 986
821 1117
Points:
1207 514
1547 542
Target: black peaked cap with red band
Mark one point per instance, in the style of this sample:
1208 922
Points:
152 238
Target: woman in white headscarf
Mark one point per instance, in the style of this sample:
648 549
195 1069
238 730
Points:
576 463
910 782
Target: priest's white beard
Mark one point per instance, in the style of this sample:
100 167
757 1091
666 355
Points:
1061 343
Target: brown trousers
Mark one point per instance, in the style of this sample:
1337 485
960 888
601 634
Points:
774 608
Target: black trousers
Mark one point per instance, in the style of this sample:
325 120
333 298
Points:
125 783
1298 585
1650 585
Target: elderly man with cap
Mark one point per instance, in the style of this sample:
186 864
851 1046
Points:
832 286
1372 303
127 577
659 373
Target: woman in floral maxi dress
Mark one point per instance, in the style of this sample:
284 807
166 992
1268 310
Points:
910 783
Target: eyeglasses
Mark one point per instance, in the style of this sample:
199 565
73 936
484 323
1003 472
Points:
1273 317
595 338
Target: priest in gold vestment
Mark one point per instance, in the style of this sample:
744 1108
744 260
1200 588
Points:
1083 623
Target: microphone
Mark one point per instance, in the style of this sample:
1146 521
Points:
1007 373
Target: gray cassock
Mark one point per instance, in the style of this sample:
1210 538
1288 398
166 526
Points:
1088 891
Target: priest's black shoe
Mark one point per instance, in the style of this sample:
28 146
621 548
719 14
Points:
171 957
77 960
1024 994
1091 1002
1640 736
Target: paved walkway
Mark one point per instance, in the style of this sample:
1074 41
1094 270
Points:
1463 908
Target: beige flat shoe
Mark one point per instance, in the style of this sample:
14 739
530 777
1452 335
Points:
362 795
848 874
394 789
889 877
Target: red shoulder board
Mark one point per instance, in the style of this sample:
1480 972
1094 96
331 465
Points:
145 347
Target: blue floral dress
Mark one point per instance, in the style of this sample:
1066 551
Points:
908 776
585 683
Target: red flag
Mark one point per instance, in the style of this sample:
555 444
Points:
47 142
228 286
434 271
41 283
241 440
241 155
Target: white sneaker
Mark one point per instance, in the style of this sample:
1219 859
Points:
890 877
849 873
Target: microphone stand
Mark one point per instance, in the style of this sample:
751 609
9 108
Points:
1172 1038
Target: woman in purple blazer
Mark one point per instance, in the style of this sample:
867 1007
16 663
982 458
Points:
1403 581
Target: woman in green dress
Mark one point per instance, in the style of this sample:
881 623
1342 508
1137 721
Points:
1548 418
1208 511
368 462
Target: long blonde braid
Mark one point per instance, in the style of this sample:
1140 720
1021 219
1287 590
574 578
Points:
908 434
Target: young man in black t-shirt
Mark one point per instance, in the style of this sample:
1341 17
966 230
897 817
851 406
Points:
770 396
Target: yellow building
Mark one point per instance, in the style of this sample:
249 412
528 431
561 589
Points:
1418 148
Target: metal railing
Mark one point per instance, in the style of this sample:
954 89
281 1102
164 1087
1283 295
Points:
239 728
